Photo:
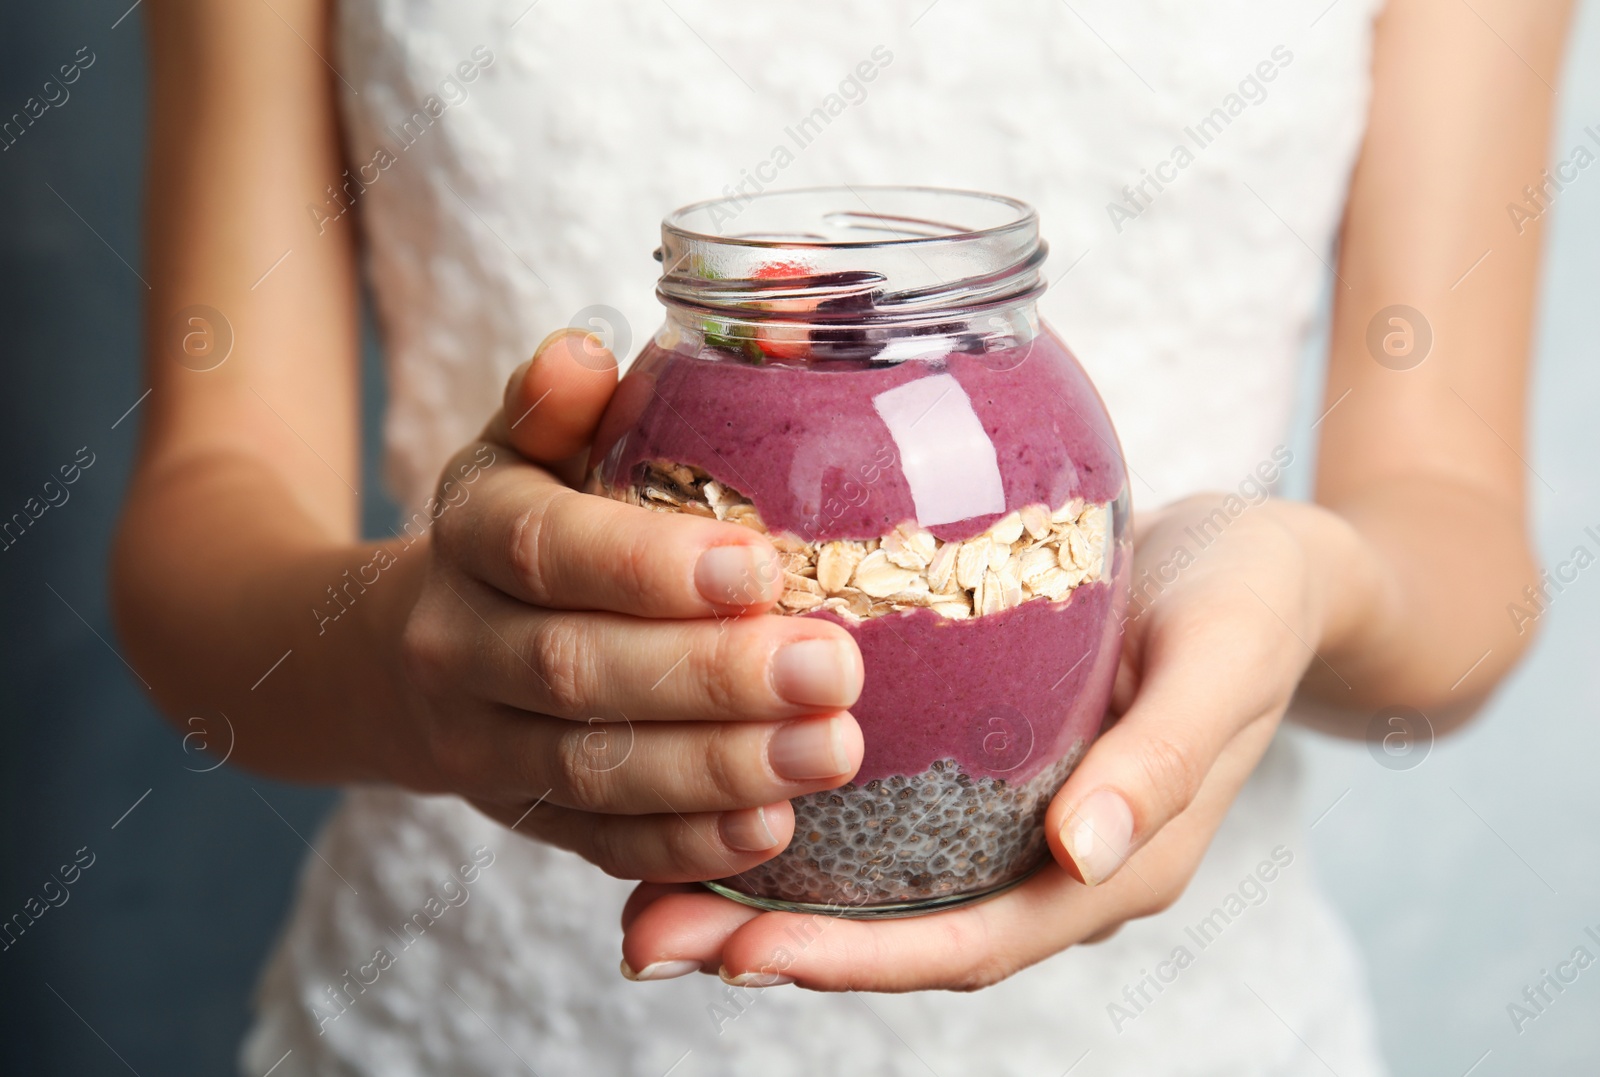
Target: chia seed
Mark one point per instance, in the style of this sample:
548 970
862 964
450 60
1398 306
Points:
932 835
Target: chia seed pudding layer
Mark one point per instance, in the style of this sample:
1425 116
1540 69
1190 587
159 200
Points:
934 835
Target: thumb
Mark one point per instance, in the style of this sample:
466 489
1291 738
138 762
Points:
554 401
1200 692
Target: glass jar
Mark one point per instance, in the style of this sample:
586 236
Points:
861 374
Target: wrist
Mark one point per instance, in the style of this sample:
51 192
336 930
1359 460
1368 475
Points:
1350 586
388 751
333 710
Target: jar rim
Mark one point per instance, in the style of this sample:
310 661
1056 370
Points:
796 259
1022 217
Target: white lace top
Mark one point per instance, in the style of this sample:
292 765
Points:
1189 160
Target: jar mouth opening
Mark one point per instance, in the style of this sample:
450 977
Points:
892 258
894 216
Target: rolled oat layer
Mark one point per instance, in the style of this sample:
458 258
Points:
1036 552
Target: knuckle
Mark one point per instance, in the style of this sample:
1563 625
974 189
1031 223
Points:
424 654
587 785
526 542
604 850
721 670
681 848
631 573
725 765
986 969
557 656
1171 771
984 972
987 972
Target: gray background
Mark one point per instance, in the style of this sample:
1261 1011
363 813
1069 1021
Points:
1463 877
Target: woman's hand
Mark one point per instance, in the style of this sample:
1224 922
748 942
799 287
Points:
1208 668
610 664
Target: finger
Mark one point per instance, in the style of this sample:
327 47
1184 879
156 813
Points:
605 665
700 922
645 894
553 402
524 533
962 949
1200 688
644 768
665 848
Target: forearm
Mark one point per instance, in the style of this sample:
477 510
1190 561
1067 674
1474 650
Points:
241 514
1422 440
219 574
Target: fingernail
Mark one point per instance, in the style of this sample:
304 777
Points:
660 970
1097 835
746 830
817 673
565 331
812 748
737 575
754 979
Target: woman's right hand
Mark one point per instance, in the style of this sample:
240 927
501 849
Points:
612 665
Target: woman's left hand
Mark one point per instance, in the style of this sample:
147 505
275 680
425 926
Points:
1209 665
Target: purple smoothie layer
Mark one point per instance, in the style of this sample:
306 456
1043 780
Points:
1005 695
830 453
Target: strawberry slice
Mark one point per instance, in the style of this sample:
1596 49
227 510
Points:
780 271
778 340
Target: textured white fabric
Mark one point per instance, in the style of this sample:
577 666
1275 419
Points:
537 191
